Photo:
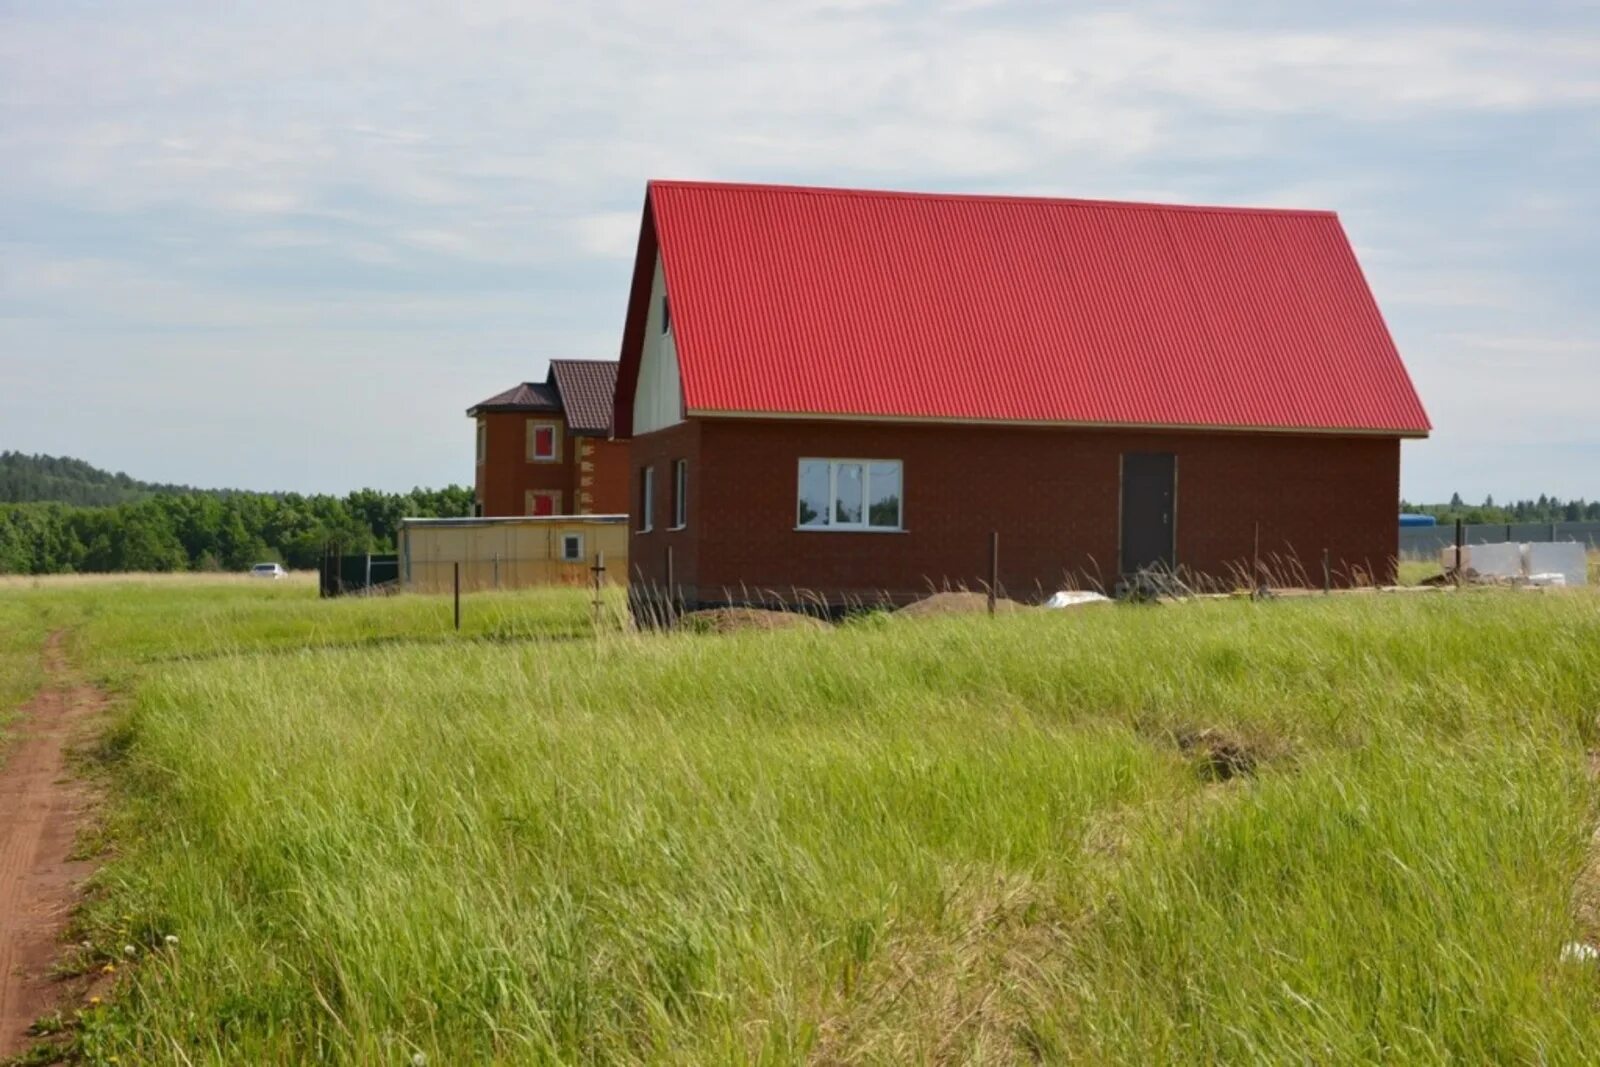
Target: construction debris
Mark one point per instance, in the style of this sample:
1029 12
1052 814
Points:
1072 598
1536 563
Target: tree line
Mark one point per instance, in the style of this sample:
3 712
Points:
26 478
200 531
1544 509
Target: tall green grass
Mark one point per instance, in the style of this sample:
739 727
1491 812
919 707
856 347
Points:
961 839
133 625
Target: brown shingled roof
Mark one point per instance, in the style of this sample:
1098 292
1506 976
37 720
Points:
526 396
586 388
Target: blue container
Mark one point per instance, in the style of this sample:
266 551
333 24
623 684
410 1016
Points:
1418 520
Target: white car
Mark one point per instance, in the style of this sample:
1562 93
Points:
268 570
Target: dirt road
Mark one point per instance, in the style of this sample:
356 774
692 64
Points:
41 810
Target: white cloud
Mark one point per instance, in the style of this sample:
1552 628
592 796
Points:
353 170
608 234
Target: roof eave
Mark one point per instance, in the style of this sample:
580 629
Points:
1077 424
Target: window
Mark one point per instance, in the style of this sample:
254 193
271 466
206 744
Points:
572 548
647 496
483 440
544 442
849 494
477 509
666 315
542 502
680 494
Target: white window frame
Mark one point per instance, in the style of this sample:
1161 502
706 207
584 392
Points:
834 463
647 501
483 441
680 494
534 426
571 538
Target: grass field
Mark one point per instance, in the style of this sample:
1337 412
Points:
22 632
1331 830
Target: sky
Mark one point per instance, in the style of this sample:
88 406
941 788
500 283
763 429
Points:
286 245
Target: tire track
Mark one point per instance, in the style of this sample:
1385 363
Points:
41 810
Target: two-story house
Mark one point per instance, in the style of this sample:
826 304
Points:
545 448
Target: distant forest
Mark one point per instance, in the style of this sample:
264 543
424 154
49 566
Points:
1544 509
60 515
26 479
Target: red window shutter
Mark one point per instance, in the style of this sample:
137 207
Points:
544 504
544 441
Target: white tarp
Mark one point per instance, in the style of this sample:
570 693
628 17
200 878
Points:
1490 561
1071 598
1566 558
1538 562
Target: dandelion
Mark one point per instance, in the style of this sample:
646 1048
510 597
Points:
110 968
94 1002
171 940
129 951
419 1059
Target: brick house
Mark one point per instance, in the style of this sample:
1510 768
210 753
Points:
545 448
846 392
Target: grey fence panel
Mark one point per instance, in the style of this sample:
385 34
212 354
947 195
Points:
1425 542
1587 532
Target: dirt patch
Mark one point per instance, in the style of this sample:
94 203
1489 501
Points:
39 879
957 604
735 620
1219 757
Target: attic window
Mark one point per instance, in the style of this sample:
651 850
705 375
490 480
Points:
666 316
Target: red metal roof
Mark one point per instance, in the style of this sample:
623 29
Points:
843 303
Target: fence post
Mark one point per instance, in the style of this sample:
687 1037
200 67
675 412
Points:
1457 568
994 567
599 570
497 570
455 569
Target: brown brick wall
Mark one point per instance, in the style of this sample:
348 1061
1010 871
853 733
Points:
647 552
603 476
1053 494
505 477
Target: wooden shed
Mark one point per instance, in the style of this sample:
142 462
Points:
510 553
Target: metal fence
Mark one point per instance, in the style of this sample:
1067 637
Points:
1425 542
342 575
